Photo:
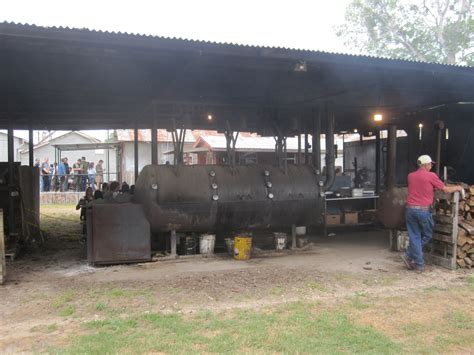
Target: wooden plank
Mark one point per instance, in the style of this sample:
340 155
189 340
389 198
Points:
443 238
444 228
3 269
440 195
448 263
443 219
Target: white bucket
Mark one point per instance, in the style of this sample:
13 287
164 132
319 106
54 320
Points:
280 241
300 230
206 244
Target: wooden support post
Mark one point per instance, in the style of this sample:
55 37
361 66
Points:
11 178
391 156
377 162
439 128
3 269
31 147
293 236
173 243
317 139
298 157
135 150
306 148
154 143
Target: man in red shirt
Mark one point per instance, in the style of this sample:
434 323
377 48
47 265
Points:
421 186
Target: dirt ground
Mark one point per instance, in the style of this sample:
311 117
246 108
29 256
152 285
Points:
52 289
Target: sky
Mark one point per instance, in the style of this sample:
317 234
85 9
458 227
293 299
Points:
292 24
295 24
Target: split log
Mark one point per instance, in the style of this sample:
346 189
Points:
467 227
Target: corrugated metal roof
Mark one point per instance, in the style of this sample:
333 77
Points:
144 135
262 50
254 144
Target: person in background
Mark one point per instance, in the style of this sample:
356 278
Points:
105 187
67 169
53 174
84 168
88 197
99 174
132 189
45 174
419 218
38 165
98 195
91 175
62 174
114 190
77 170
125 188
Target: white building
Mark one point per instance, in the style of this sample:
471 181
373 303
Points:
127 157
47 148
17 143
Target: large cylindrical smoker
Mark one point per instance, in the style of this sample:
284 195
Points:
210 197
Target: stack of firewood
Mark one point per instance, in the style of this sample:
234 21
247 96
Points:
465 250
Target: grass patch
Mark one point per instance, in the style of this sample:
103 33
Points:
317 286
432 289
470 281
44 328
461 320
100 306
64 299
412 329
295 328
67 311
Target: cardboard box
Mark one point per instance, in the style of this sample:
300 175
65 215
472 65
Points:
333 219
351 218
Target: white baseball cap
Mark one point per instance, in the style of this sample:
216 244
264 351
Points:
424 159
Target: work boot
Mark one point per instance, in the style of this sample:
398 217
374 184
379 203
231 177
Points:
408 262
419 269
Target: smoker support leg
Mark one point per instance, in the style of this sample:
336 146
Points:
293 236
393 235
173 243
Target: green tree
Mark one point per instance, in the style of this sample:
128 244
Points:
426 30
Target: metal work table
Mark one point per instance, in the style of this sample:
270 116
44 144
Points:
349 201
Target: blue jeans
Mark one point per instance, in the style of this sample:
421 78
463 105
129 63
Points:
420 230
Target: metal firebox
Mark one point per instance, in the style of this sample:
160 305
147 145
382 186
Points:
117 233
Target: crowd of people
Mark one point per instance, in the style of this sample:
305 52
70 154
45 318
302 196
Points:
63 177
109 193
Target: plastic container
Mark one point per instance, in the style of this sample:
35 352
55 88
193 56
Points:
301 230
229 243
242 247
206 244
280 241
357 192
187 245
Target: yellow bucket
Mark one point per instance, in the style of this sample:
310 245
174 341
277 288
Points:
242 247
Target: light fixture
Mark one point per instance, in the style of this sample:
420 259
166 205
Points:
209 117
300 66
447 133
378 117
355 130
420 134
420 125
